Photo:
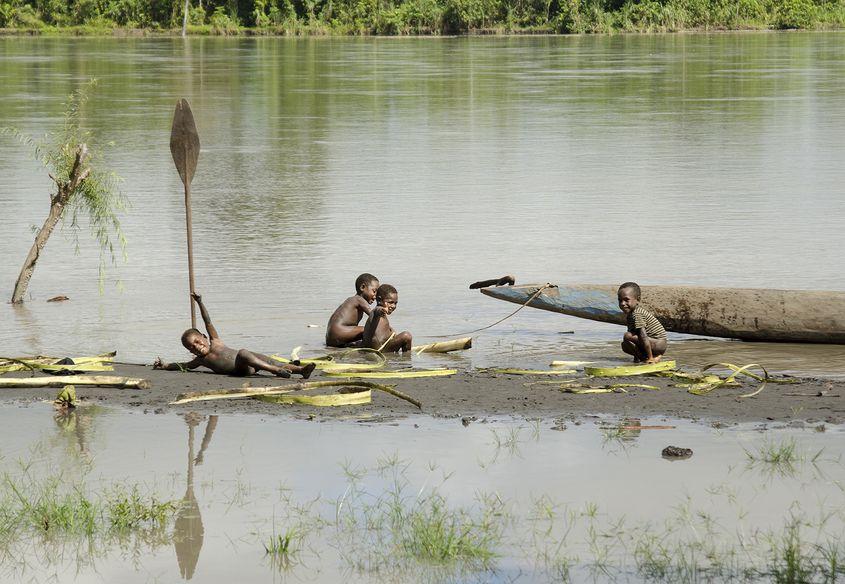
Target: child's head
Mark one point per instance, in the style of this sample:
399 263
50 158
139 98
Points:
388 297
629 296
196 342
366 285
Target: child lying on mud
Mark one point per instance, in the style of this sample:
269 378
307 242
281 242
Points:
211 352
343 329
646 338
377 332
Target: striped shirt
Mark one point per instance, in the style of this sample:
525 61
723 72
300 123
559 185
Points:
643 318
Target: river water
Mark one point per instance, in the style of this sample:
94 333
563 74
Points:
591 503
704 159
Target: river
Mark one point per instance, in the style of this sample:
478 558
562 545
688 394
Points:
702 159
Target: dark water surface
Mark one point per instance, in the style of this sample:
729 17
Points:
678 159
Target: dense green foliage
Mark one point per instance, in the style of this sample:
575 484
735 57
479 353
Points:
392 17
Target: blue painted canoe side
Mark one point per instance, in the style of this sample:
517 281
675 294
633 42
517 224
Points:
590 303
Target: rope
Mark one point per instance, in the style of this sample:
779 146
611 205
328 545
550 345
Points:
390 338
501 320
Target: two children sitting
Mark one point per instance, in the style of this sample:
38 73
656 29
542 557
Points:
344 330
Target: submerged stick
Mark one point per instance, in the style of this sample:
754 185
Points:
100 380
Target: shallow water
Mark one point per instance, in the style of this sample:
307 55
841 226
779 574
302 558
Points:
258 477
707 159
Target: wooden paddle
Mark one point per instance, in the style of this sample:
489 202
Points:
185 148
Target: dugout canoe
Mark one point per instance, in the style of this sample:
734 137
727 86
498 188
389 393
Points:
750 314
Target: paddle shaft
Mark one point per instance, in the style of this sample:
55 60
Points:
189 225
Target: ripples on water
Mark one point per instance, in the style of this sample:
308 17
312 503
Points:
685 159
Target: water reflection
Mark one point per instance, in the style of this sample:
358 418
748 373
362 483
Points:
188 531
76 431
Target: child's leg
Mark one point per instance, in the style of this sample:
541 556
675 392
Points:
341 335
294 367
658 348
248 362
401 341
631 345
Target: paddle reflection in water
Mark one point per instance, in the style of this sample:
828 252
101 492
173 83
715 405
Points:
188 531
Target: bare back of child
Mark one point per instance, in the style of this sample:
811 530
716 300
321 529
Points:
212 352
378 334
343 328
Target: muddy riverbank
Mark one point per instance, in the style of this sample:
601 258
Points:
479 394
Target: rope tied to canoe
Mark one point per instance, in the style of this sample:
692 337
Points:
501 320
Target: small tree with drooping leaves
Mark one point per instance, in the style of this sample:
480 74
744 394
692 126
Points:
82 189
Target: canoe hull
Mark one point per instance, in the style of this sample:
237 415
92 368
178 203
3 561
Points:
750 314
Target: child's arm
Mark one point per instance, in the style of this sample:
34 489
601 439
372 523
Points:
371 325
192 364
212 332
365 308
645 344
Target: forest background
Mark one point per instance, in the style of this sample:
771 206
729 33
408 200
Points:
411 17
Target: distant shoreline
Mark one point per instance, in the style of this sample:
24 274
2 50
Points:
245 32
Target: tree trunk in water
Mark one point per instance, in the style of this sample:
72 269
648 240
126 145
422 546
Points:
40 241
79 172
185 20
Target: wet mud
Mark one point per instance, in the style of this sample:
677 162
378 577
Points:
476 395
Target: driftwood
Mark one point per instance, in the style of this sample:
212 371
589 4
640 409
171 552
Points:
503 281
101 380
444 346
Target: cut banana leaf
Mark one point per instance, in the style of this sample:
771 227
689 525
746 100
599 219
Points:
350 398
534 371
630 370
95 363
705 388
589 390
243 392
405 374
570 363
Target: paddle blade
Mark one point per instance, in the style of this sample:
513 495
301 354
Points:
184 141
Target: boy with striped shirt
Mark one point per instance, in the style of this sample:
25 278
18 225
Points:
646 338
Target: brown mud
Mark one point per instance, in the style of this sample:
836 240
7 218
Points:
478 395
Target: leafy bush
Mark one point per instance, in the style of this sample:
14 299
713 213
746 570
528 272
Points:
579 16
222 23
132 13
196 16
465 15
794 14
19 16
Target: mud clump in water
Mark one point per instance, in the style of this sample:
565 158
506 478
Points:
676 452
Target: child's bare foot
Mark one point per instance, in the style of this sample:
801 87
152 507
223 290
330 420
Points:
283 373
307 370
657 359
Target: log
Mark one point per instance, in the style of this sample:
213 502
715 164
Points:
100 380
444 346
